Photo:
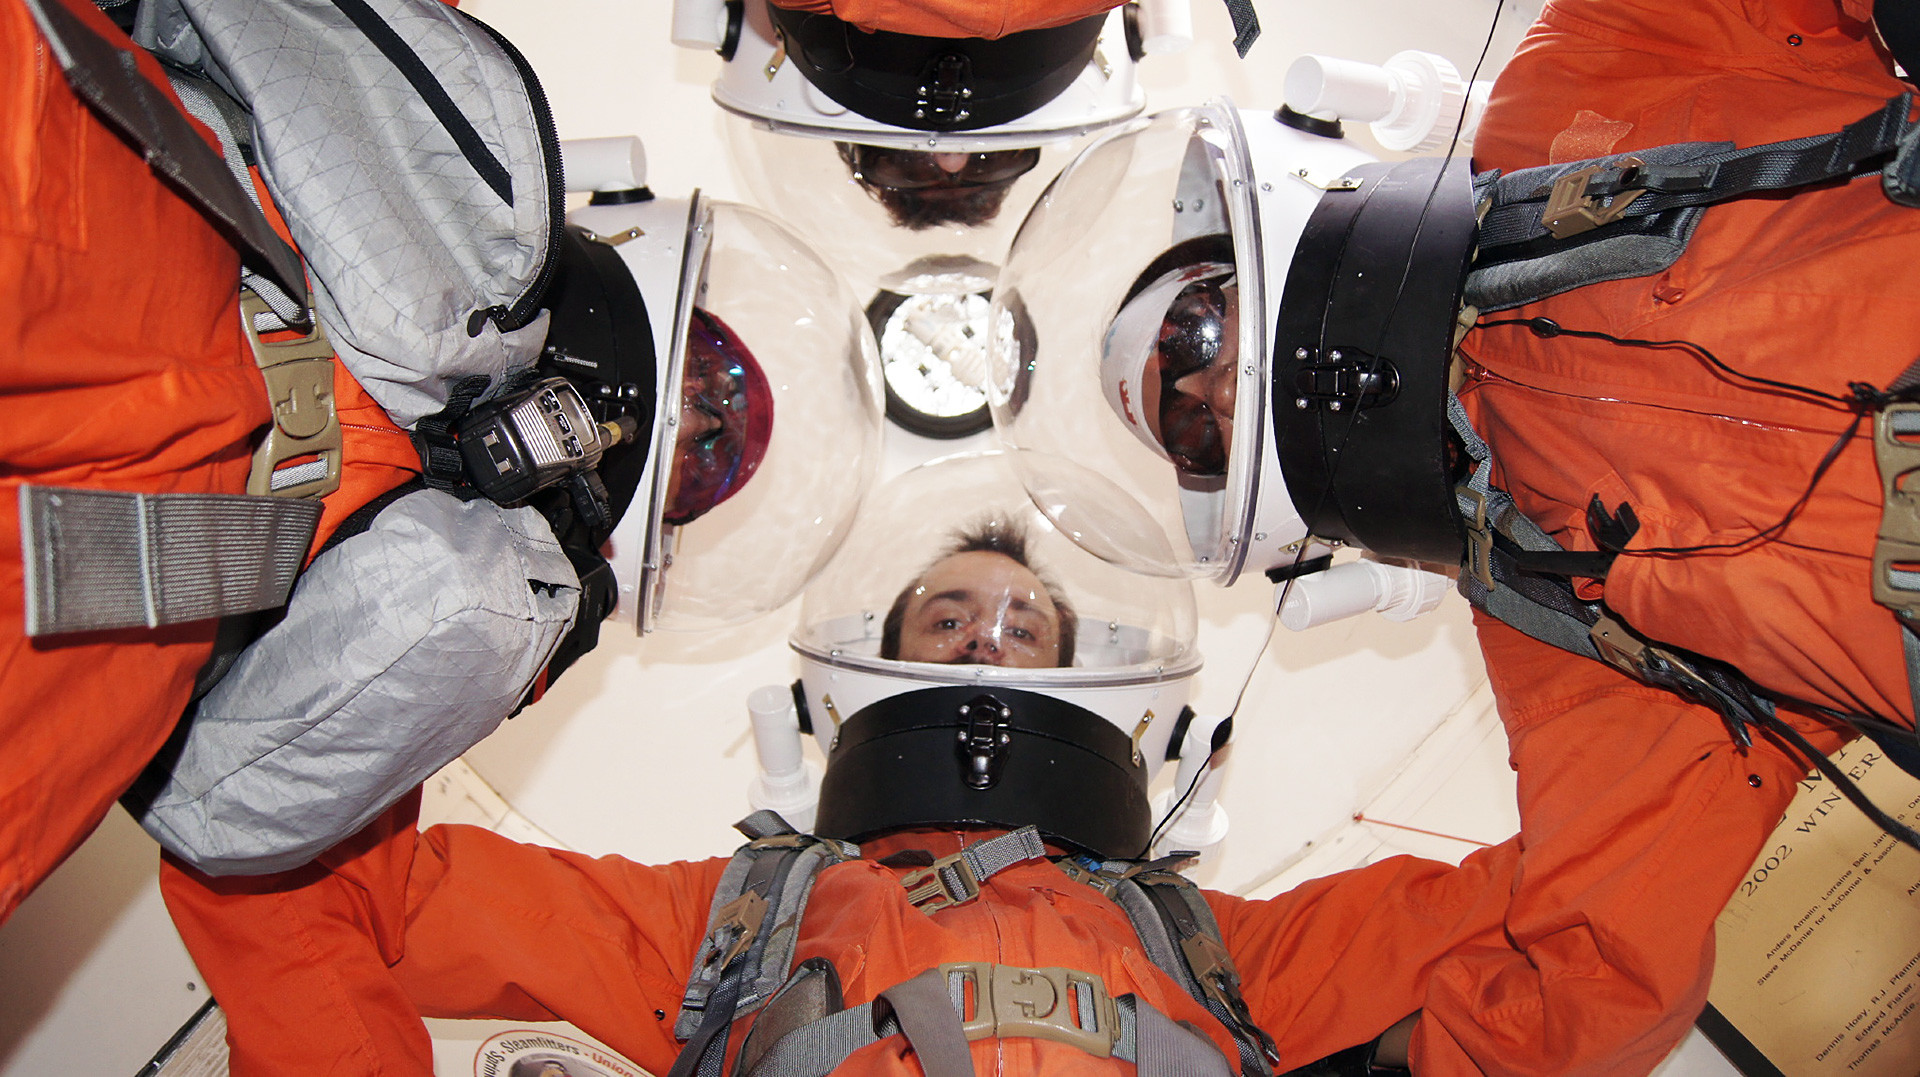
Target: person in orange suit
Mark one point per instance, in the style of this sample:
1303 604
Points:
112 376
1639 811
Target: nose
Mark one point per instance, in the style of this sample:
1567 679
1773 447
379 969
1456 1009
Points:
982 646
696 421
950 163
1215 384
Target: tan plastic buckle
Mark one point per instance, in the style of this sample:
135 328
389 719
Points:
1479 538
299 377
1619 646
928 889
1896 556
1212 965
1064 1005
743 914
1571 210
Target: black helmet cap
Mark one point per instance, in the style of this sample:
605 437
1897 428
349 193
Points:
989 755
936 83
1361 356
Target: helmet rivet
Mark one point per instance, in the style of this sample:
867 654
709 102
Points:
1333 405
1300 403
1300 353
1335 355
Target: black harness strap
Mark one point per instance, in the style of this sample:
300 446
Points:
1543 206
107 78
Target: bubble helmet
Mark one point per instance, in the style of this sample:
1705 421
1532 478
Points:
909 160
1231 346
967 687
751 372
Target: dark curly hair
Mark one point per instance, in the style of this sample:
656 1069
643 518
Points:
988 536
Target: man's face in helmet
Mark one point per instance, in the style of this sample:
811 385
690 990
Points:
921 189
726 415
1188 385
981 608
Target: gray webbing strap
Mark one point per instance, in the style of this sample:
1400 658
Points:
229 123
105 559
930 1020
1625 186
929 1009
954 880
1546 612
1183 940
1910 645
1156 1044
1246 25
766 964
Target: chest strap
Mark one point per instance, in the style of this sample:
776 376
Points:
955 880
942 1009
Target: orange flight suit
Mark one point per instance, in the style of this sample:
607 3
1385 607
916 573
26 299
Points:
123 367
954 18
323 968
1638 814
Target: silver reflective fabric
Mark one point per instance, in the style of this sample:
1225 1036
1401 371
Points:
404 239
401 648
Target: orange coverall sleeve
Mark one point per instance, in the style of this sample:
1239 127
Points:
113 376
327 969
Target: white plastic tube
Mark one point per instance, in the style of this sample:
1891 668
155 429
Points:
787 783
604 164
700 24
1332 88
1411 102
1202 823
1166 26
1397 592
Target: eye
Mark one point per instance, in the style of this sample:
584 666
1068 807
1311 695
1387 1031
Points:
1020 634
947 624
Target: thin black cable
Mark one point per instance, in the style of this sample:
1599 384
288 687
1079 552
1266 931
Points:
1253 670
1406 270
1862 400
1795 744
1547 328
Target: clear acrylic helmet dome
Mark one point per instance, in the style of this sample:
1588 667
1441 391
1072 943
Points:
768 428
1131 638
915 212
1133 391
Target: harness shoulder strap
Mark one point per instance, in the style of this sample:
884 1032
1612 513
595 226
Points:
752 928
1549 229
1506 576
1181 936
107 78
